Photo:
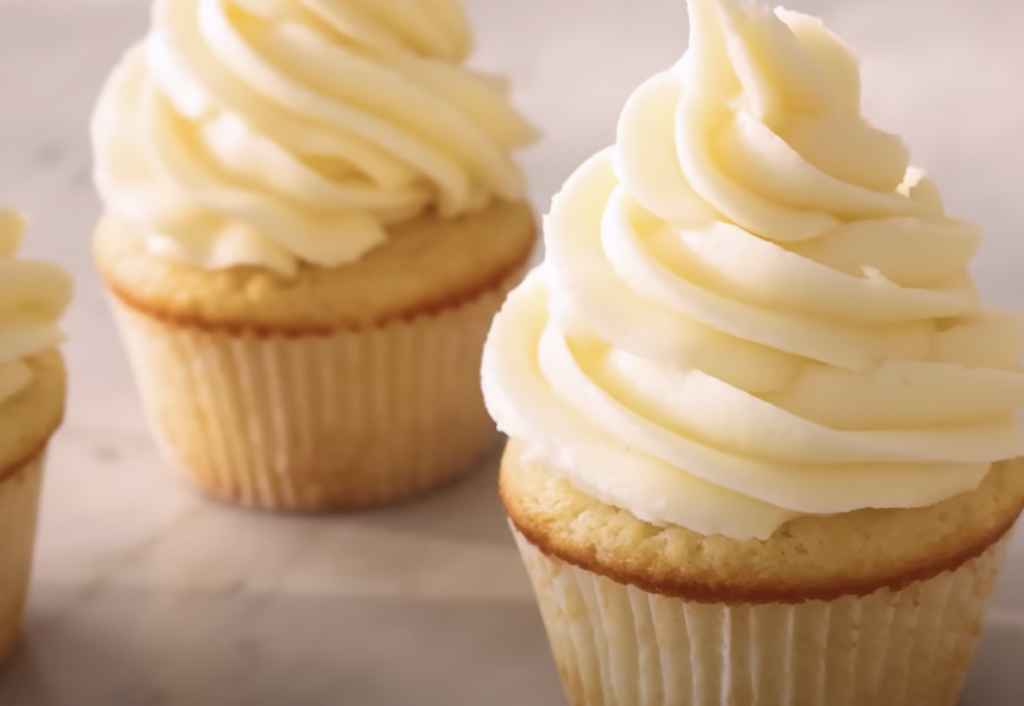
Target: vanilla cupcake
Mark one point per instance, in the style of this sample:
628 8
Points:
312 216
33 295
763 430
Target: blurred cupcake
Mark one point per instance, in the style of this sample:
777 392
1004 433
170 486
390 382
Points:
33 295
762 426
312 216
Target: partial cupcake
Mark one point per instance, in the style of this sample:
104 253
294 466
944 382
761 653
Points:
33 296
312 216
763 429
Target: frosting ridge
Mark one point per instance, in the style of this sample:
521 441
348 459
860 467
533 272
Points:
273 132
752 306
33 296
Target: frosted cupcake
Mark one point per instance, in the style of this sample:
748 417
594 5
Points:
762 426
312 216
33 295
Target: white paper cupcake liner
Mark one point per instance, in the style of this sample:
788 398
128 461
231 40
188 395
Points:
617 645
318 422
19 509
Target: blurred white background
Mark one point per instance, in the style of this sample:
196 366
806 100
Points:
145 594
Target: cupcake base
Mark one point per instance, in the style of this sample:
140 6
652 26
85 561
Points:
319 422
618 645
19 506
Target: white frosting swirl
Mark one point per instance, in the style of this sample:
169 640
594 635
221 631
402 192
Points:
269 132
752 308
33 296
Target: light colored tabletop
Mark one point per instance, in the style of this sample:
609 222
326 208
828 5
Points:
145 594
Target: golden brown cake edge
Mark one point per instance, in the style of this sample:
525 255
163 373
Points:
811 558
430 265
31 417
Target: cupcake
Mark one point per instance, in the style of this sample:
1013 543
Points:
762 426
33 295
312 216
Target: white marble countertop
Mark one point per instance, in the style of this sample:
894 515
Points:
146 594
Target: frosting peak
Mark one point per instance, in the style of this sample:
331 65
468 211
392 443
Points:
269 132
752 307
33 296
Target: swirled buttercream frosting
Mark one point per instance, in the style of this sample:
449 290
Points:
274 132
33 296
752 308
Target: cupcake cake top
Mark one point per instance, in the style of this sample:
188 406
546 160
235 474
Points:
273 132
33 296
753 308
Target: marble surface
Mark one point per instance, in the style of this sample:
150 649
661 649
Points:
145 594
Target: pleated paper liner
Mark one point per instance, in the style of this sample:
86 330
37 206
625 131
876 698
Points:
617 645
19 509
319 422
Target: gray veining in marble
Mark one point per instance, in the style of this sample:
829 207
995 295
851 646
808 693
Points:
147 595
